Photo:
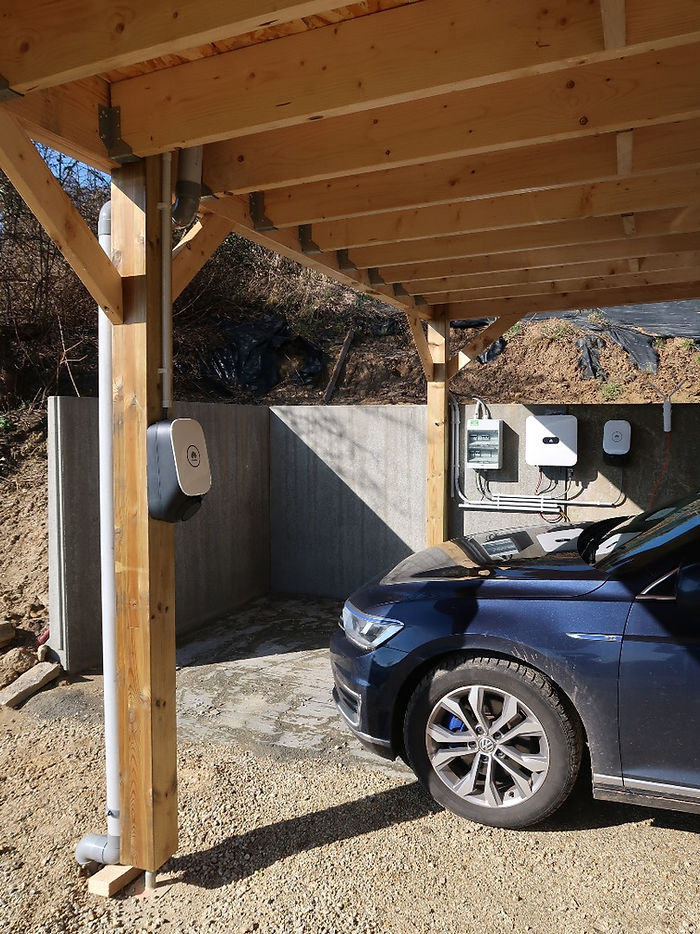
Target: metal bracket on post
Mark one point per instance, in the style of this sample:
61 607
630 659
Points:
6 92
256 206
345 264
307 244
109 121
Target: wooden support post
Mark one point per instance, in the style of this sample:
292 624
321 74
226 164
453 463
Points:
144 547
438 419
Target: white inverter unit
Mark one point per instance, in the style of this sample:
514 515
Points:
551 440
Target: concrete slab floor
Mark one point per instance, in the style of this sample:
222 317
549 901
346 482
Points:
259 677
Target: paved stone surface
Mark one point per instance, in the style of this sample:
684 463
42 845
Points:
259 678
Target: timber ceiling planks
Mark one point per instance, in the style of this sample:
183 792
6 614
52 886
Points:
425 152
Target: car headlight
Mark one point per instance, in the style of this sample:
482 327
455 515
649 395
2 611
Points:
367 631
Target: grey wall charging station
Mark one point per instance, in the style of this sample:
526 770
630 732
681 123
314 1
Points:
178 469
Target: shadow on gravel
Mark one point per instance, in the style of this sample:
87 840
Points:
237 857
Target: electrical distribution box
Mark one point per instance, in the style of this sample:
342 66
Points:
484 443
551 440
617 437
178 469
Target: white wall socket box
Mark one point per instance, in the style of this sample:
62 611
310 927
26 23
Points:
617 437
551 440
484 443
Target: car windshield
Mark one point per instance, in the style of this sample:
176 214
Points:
611 542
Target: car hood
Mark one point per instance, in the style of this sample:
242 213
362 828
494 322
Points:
538 559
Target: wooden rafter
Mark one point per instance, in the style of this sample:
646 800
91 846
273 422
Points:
532 259
66 119
73 40
520 277
583 100
580 285
395 264
315 74
575 300
56 213
585 161
618 196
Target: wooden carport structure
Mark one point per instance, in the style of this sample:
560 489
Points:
454 159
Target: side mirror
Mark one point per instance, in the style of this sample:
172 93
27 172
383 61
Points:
688 587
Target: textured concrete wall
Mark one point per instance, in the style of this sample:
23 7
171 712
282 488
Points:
221 554
345 500
347 493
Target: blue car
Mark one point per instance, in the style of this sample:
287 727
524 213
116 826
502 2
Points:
491 663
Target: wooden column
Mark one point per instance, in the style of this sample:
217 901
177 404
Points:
144 553
438 442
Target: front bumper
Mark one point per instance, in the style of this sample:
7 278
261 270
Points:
366 691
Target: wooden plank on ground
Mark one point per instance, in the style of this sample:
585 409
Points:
144 547
56 213
337 369
112 879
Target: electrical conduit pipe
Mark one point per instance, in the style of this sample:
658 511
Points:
96 847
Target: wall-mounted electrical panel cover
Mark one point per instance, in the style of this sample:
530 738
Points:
551 440
484 443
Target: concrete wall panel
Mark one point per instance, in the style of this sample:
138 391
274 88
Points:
347 493
221 554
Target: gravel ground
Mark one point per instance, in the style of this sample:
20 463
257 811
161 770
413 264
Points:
302 844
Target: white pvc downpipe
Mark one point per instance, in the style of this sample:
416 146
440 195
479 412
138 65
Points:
95 847
166 236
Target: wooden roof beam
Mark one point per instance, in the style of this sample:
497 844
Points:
561 286
353 66
287 243
645 89
65 118
56 213
533 259
573 301
63 40
595 269
619 196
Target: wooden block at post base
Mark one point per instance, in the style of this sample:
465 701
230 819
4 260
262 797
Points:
111 879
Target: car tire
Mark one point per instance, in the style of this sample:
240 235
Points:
492 741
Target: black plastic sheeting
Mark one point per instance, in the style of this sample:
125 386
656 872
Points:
637 345
250 355
589 361
495 350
